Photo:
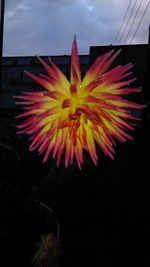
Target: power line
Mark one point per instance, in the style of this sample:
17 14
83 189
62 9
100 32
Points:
140 22
116 36
133 21
128 20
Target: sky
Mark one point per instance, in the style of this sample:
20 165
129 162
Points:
47 27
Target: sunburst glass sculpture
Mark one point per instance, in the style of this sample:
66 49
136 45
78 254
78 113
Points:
69 117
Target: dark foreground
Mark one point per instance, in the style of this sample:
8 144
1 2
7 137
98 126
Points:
103 212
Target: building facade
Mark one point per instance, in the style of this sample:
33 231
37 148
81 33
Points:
14 80
138 55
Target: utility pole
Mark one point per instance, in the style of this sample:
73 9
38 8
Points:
149 48
2 7
149 36
148 62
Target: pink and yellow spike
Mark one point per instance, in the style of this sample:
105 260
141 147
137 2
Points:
74 116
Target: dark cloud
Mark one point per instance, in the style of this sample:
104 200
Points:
47 27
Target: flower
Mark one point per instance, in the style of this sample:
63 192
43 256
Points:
69 117
47 250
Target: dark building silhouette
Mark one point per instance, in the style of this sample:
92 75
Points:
138 55
14 81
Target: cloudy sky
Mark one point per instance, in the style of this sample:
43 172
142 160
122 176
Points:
47 27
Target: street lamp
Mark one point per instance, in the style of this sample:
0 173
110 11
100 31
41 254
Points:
2 7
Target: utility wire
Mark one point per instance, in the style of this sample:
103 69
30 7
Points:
140 22
116 36
137 11
128 20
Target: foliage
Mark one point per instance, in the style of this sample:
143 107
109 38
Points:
47 251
